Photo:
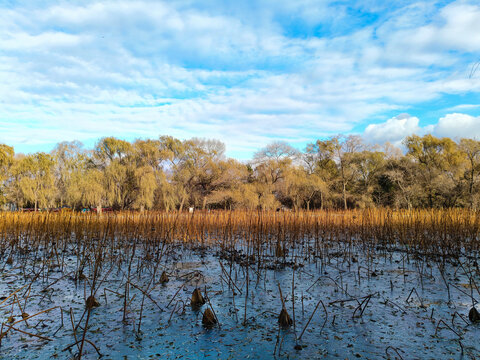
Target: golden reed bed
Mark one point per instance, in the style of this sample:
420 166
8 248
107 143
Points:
448 231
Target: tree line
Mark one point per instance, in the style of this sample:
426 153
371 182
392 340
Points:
171 174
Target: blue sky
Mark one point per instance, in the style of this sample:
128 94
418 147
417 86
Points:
243 72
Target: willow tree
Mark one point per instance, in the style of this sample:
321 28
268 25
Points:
129 178
226 185
6 161
272 164
199 169
319 162
111 157
368 165
440 162
172 191
36 181
69 160
85 187
273 161
151 156
471 149
144 188
338 151
301 187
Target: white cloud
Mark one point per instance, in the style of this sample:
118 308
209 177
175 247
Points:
461 29
458 125
393 130
463 107
437 39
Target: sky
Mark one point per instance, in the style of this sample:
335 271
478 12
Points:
244 72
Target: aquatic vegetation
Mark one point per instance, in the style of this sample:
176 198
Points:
122 284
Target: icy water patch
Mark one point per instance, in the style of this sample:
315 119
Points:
369 305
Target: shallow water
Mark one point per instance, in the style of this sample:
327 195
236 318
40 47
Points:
388 323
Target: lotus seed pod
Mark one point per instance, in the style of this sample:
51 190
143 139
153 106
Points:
473 315
284 319
197 298
208 319
164 278
92 302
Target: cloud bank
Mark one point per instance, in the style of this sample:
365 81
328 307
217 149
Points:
396 129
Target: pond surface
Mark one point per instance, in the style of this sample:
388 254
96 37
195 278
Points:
370 305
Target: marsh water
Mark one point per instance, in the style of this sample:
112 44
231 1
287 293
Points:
365 304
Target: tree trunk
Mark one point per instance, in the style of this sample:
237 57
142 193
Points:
99 208
204 202
470 189
344 196
181 203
